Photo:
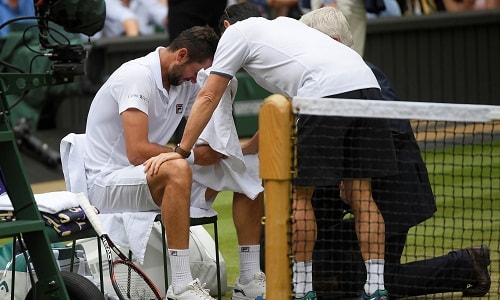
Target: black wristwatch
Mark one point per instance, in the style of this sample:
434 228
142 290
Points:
181 151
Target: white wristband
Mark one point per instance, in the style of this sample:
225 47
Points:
190 158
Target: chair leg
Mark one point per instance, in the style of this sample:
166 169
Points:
72 259
164 246
216 239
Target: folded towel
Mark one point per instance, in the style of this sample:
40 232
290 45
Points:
65 229
52 202
7 216
73 214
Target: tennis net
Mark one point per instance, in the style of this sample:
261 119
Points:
437 189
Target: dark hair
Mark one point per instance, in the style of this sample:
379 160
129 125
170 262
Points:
238 12
200 41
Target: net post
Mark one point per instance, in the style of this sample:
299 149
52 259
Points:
275 154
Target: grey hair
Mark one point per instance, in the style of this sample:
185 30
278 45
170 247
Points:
331 21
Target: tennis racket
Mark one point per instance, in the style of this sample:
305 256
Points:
128 280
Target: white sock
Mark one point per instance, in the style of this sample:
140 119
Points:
249 262
179 266
374 275
302 278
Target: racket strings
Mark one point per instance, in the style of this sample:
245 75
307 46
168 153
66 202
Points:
131 283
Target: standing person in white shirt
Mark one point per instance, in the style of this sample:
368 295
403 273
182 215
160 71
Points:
287 57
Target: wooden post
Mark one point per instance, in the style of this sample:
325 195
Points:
275 154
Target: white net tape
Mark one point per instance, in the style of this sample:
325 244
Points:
396 109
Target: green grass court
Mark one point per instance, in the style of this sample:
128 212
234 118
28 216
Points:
467 189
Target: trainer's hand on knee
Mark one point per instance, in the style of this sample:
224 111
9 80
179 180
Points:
152 165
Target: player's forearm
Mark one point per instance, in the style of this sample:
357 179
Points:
200 115
138 154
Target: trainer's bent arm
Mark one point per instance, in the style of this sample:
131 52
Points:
204 106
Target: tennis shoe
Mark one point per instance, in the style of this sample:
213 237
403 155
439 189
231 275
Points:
378 295
311 295
193 291
254 290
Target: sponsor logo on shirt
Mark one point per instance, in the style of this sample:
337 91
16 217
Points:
142 97
245 249
179 108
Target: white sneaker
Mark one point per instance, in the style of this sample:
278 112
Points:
254 290
193 291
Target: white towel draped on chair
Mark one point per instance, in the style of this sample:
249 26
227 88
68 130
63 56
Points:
129 230
73 165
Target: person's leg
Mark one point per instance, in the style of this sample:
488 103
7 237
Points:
303 238
459 270
123 190
338 269
171 190
369 153
446 273
463 270
370 229
247 218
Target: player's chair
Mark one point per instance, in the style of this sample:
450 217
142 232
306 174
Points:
76 181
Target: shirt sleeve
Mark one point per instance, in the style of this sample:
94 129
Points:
132 88
232 52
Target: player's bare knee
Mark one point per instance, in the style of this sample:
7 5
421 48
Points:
176 170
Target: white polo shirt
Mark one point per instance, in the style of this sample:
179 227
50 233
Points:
288 57
136 84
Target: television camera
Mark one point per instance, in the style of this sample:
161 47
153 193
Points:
67 61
